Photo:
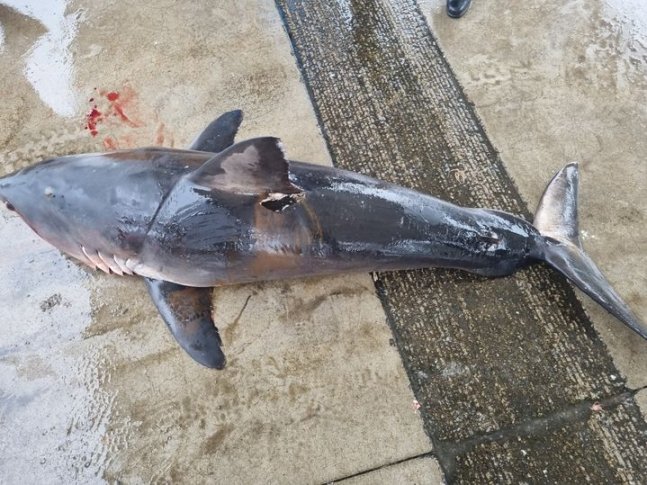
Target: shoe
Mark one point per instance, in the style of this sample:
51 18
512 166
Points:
457 8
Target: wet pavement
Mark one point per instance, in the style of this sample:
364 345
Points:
512 380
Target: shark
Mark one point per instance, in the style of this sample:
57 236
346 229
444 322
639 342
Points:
226 213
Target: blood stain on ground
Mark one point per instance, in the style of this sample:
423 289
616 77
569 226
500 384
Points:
109 143
117 115
159 135
93 118
113 107
119 102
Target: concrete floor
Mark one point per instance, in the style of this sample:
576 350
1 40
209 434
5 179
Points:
92 385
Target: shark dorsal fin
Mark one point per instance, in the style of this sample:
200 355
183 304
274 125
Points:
251 167
220 133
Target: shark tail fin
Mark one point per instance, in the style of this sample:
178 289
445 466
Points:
556 220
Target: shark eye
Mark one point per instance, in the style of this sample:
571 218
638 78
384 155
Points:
10 206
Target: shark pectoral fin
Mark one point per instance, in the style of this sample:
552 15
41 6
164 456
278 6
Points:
220 133
187 313
255 167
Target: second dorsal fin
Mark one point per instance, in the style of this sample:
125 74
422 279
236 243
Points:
251 167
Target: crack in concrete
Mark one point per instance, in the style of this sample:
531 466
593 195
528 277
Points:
447 452
429 454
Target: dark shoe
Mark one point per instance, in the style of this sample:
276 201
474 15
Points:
457 8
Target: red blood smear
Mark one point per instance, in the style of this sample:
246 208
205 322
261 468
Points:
159 139
122 115
110 143
92 120
117 108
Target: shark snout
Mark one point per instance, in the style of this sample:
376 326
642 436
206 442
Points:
4 190
8 187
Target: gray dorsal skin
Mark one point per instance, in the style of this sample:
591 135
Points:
187 311
219 134
190 220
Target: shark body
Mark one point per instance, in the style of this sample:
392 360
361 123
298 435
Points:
222 213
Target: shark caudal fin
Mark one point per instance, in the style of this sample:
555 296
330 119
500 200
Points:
556 220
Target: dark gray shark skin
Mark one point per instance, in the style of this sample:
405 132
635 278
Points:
224 214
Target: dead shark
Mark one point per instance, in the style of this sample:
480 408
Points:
221 213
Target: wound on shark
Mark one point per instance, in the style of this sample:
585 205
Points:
221 213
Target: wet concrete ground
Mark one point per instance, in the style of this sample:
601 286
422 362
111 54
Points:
95 389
